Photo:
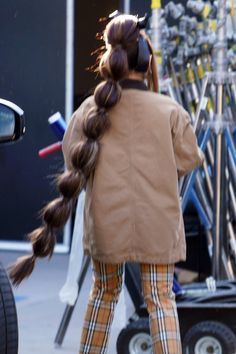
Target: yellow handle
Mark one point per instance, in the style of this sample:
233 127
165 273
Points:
200 70
207 10
212 25
190 75
158 57
156 4
232 9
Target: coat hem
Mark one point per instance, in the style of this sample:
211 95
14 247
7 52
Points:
135 258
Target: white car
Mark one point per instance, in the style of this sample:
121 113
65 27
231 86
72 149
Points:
12 128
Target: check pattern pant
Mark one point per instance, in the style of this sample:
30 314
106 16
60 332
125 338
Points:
157 282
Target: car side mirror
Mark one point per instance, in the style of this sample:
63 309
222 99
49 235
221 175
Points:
12 122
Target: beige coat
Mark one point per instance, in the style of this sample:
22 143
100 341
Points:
132 208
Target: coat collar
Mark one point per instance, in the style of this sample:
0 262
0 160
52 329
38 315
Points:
133 84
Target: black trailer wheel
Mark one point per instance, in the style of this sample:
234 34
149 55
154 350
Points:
209 337
8 316
135 338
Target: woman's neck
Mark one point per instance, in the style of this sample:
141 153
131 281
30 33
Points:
134 75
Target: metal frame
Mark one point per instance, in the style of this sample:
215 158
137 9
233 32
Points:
220 78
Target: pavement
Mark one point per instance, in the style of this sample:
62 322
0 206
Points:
40 311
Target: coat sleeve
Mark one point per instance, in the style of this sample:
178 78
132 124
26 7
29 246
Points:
72 135
188 155
74 131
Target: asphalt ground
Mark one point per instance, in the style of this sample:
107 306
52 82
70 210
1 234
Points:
40 310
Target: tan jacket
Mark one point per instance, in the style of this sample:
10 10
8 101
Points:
132 207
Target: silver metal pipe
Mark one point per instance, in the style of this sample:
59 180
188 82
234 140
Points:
218 190
233 199
168 87
126 6
227 266
210 153
232 169
232 15
69 98
156 38
231 192
220 47
203 198
232 236
233 88
209 243
227 174
226 262
208 181
220 68
175 81
217 208
202 102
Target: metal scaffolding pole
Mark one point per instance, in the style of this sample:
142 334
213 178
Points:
220 70
156 34
215 187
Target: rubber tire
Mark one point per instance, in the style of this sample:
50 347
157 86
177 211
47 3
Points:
8 316
220 331
123 340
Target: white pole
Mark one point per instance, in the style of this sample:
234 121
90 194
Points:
126 6
69 59
69 94
156 34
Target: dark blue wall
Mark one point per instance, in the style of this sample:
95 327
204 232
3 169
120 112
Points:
87 15
32 74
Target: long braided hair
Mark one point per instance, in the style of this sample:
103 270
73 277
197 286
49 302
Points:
121 37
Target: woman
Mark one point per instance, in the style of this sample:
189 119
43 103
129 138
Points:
127 146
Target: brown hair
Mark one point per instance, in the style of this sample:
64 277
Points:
121 37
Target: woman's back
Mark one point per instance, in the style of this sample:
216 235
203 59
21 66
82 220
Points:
132 210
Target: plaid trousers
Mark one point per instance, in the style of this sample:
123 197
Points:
157 282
